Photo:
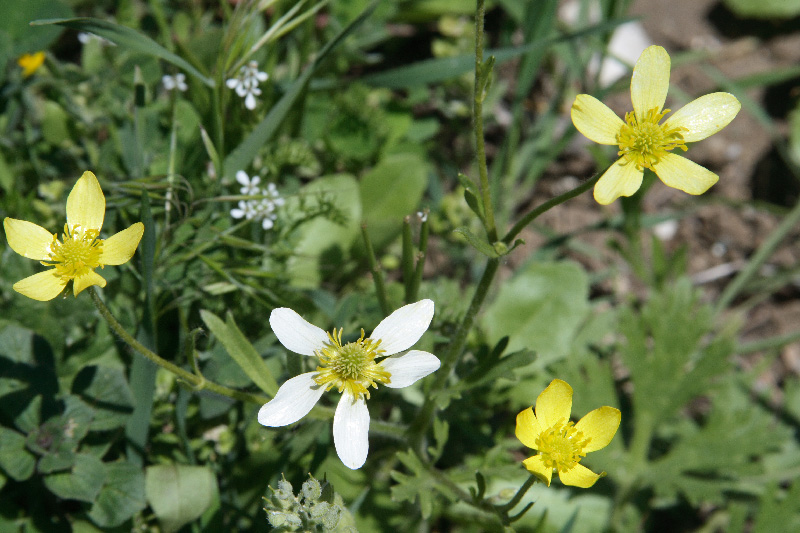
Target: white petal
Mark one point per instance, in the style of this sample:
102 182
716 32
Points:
250 102
232 83
410 367
295 333
293 401
243 178
400 330
350 431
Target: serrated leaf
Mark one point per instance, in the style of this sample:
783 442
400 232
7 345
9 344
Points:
241 351
106 390
127 38
15 460
82 482
121 497
179 494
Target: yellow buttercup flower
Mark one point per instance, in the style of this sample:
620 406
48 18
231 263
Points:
643 142
80 250
30 63
561 444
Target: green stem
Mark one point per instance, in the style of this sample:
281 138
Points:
450 358
423 251
543 208
195 381
477 98
377 275
505 508
758 259
408 258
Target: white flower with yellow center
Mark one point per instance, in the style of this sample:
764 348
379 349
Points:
352 368
644 142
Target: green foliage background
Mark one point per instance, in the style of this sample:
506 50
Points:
358 123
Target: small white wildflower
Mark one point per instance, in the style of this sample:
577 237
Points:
249 185
178 81
246 83
422 215
245 210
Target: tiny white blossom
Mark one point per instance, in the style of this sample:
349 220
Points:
178 81
422 215
245 84
260 208
352 369
249 185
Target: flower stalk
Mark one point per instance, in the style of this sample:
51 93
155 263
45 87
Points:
196 381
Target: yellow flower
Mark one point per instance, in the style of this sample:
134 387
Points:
560 443
80 251
30 63
643 142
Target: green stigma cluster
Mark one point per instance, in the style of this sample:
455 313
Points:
316 508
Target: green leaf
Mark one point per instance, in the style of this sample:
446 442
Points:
389 192
420 485
15 460
479 243
437 70
241 157
127 38
83 482
765 9
321 238
14 19
106 390
540 309
241 350
121 497
179 494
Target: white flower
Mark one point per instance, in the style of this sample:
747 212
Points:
245 210
178 81
249 185
351 368
246 83
261 209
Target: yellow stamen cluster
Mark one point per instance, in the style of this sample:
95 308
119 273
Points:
645 143
78 254
562 446
352 366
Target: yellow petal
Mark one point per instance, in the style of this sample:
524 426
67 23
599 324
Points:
705 116
87 280
119 248
600 426
579 476
528 428
536 467
650 81
680 173
595 120
621 179
554 404
43 286
86 205
28 239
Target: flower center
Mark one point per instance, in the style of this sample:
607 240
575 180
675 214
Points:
645 143
352 366
78 253
561 446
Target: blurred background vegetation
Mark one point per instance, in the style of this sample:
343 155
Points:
683 312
